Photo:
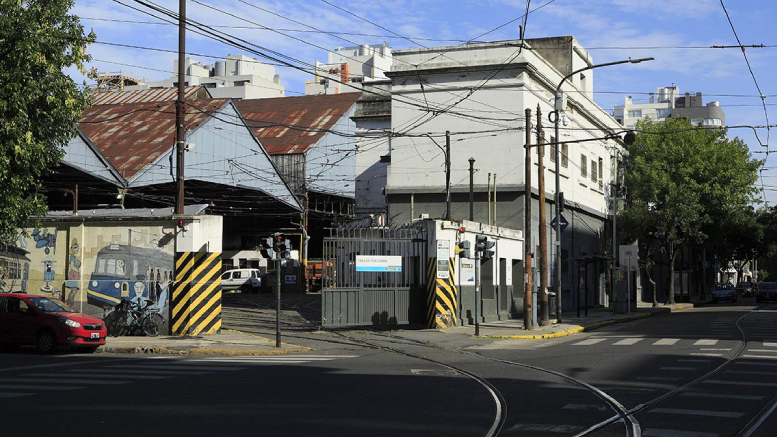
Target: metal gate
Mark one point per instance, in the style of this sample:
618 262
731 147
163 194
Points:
351 298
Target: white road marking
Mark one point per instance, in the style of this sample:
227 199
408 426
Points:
679 368
175 367
763 350
722 396
694 361
39 387
714 349
757 384
627 342
767 357
750 372
705 342
555 429
657 378
751 363
686 412
666 342
94 374
589 342
584 407
655 432
14 395
770 344
707 355
63 380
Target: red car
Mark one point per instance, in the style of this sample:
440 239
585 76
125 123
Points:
48 323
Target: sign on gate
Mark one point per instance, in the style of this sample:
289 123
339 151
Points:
443 259
377 263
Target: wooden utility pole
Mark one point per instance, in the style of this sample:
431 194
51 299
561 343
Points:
527 254
543 230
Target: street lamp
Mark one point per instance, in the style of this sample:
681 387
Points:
559 106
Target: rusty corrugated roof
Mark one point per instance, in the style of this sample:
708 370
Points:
115 97
132 136
294 124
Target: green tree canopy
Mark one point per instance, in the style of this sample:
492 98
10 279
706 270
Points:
39 103
681 181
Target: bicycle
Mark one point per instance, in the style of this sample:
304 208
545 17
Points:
126 318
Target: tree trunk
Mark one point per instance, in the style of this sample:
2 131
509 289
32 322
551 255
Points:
673 255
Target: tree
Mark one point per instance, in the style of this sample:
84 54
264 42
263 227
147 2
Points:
680 181
39 103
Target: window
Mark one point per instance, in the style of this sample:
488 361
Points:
583 166
697 121
712 122
552 149
637 113
601 169
594 172
663 112
564 155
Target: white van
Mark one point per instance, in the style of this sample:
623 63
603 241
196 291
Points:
244 280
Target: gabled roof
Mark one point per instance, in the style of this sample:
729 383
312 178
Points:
287 125
134 135
115 97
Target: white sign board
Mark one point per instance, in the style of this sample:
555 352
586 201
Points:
628 257
443 259
378 263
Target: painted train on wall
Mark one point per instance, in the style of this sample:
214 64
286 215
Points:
92 266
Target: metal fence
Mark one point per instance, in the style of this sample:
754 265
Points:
351 298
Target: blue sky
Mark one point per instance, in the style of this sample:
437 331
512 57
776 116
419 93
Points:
677 33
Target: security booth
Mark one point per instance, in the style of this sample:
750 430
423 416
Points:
412 275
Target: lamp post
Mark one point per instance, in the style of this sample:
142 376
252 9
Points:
558 107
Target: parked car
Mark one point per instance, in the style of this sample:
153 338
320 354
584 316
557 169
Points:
766 291
744 289
724 291
47 323
244 280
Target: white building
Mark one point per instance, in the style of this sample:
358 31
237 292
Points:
236 77
668 102
350 65
480 92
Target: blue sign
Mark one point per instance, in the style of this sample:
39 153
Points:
564 223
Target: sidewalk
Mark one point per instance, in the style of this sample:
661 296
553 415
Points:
232 343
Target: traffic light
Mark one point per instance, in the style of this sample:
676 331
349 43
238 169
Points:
484 246
487 252
462 249
281 246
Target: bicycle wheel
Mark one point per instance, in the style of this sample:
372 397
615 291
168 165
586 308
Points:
115 324
153 324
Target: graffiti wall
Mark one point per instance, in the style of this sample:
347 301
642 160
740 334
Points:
92 267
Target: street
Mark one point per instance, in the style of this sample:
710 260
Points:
710 371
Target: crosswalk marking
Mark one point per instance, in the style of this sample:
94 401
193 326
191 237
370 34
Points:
589 342
657 432
38 387
758 384
707 355
95 374
755 363
584 407
666 342
14 395
751 372
704 342
679 368
763 350
657 378
66 380
694 361
686 412
175 367
628 342
722 396
770 344
766 357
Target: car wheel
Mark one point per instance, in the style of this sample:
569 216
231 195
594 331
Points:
245 288
46 342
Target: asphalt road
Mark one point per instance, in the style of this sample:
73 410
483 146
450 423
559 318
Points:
707 372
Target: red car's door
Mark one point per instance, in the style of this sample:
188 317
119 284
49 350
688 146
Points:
19 321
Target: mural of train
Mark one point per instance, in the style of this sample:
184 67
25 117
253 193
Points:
134 273
14 269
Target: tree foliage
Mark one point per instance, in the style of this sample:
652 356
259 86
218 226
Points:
681 181
39 103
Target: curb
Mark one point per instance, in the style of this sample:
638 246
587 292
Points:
586 328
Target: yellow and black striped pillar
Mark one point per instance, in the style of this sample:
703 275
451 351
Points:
441 299
196 299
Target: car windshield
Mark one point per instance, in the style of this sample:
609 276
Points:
722 286
50 305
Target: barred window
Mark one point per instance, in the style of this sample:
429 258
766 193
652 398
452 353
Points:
583 166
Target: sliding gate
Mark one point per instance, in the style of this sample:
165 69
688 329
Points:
351 298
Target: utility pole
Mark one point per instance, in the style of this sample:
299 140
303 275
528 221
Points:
471 189
447 175
543 230
527 254
614 185
180 108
